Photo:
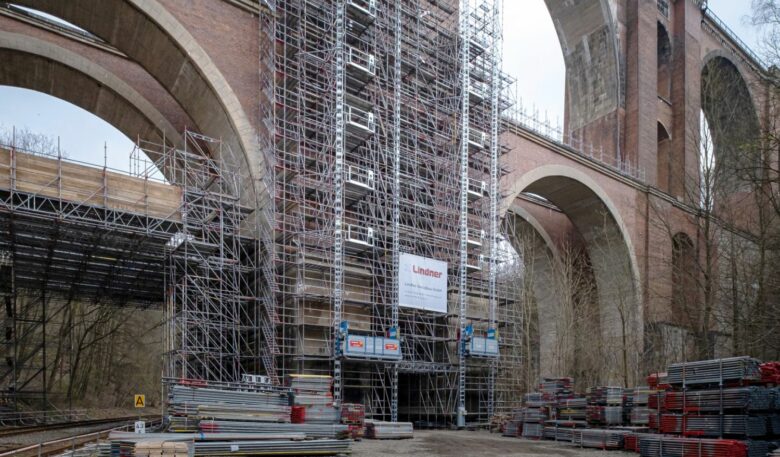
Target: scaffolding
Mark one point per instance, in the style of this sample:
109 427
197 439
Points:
212 308
70 232
381 135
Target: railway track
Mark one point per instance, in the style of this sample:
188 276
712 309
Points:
13 431
60 445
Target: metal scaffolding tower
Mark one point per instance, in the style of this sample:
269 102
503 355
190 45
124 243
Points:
380 130
211 281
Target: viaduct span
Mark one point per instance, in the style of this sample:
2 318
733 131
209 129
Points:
637 76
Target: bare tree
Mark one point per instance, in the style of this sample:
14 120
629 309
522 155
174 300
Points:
31 142
721 263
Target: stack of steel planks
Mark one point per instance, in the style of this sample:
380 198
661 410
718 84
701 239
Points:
314 394
715 371
711 408
715 426
533 418
514 424
558 433
188 405
533 430
311 390
240 448
628 404
533 399
553 389
605 405
571 409
599 438
640 410
353 415
310 430
512 428
605 395
671 446
380 430
125 444
535 412
752 398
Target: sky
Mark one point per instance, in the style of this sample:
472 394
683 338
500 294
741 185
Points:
532 55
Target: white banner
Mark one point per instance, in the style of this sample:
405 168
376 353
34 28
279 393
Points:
422 283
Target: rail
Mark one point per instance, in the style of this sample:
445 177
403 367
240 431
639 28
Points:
23 430
519 118
60 445
29 418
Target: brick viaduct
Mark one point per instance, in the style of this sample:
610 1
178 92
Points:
634 72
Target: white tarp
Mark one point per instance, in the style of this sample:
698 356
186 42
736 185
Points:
422 283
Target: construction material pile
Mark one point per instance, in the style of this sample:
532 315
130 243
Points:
309 430
243 419
711 408
605 405
534 415
571 410
752 398
668 446
513 426
125 444
716 371
189 405
313 399
379 430
599 438
640 409
770 372
553 389
353 415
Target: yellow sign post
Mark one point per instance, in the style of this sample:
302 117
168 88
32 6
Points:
139 400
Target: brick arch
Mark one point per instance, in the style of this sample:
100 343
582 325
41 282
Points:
607 243
44 67
151 36
729 107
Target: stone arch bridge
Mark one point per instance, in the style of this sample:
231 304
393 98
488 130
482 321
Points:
636 79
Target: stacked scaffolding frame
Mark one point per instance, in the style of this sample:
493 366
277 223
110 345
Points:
211 303
380 127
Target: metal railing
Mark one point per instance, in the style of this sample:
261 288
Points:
359 118
361 60
731 35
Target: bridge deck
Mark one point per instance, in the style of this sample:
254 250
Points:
98 187
84 231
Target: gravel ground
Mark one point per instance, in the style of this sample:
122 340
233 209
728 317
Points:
470 444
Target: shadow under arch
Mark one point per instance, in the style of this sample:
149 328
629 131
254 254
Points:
611 259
